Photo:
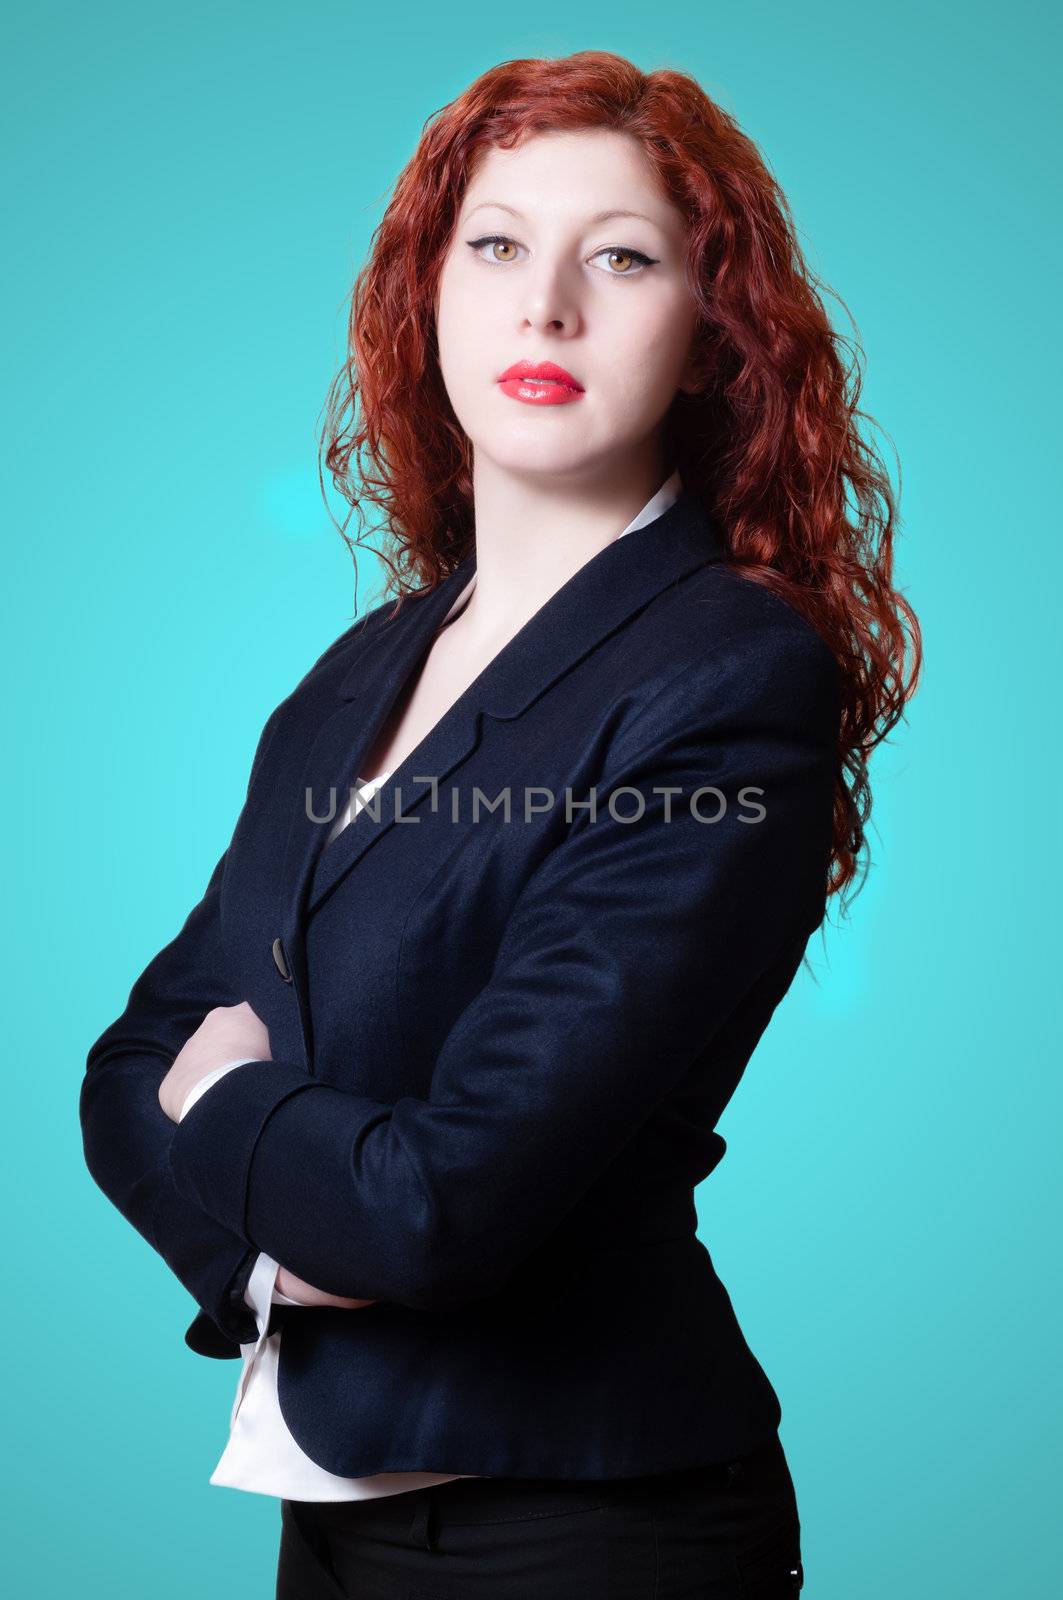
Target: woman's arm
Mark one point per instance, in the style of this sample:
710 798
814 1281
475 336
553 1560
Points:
127 1136
191 1074
288 1290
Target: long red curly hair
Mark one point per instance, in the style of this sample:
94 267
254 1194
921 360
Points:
771 445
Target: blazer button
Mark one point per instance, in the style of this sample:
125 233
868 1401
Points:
279 961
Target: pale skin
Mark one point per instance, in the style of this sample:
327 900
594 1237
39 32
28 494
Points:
552 485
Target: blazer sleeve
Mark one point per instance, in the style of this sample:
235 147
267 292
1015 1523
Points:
126 1134
626 951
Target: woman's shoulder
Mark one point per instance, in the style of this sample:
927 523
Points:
315 689
333 661
733 614
719 638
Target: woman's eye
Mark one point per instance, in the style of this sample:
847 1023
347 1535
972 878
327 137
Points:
494 239
634 261
625 263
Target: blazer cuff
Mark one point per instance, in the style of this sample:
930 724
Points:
212 1146
221 1334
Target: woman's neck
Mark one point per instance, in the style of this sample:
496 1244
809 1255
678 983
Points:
531 539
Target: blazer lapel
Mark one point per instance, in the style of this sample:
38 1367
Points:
370 688
599 598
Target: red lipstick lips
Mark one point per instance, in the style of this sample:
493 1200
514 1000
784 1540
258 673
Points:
539 383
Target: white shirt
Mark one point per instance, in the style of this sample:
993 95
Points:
262 1456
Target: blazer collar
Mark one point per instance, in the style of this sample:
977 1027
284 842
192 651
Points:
599 598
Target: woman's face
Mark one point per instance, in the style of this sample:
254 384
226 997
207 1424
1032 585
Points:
534 273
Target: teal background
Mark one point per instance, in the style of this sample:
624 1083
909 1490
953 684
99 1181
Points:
189 195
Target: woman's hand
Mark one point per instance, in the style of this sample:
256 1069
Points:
298 1289
225 1034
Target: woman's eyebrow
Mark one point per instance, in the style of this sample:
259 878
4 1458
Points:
599 216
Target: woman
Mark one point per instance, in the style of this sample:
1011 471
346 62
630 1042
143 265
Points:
416 1101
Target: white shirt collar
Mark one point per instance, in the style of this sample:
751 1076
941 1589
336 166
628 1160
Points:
656 505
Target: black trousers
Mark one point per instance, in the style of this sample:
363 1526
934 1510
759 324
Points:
720 1532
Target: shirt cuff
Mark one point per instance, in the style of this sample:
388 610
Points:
262 1291
259 1289
212 1077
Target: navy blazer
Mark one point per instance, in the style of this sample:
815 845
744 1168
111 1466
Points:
501 1044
